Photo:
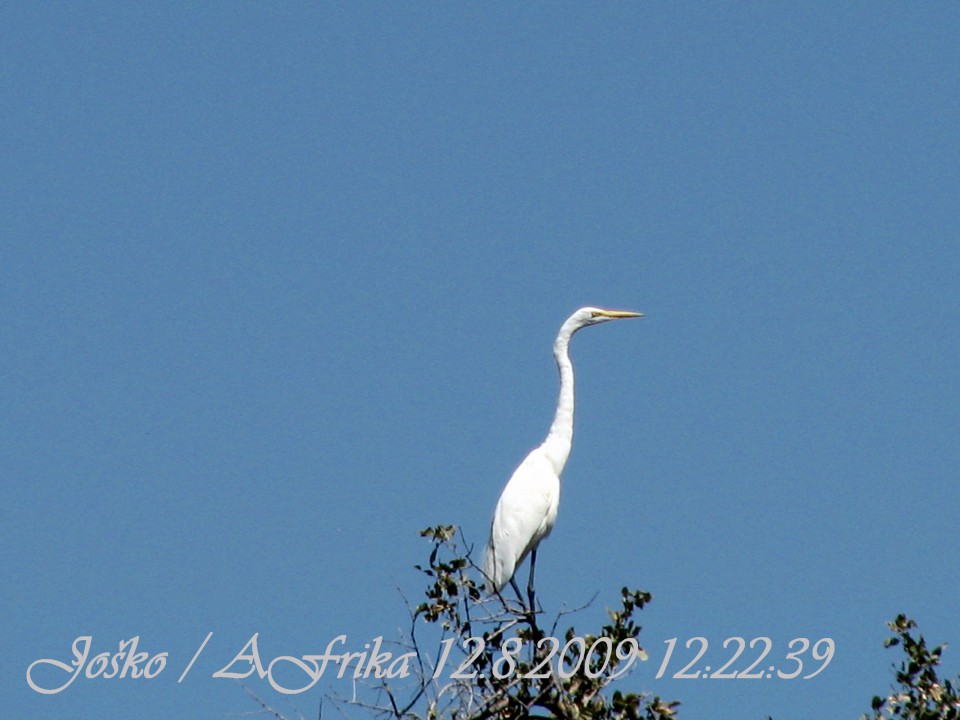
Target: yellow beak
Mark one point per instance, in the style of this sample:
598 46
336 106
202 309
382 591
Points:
620 313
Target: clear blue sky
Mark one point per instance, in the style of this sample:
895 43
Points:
279 284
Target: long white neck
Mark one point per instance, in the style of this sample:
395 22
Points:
560 438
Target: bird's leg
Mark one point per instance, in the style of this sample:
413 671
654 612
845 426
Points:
531 596
533 567
516 589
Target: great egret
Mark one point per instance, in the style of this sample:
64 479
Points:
528 504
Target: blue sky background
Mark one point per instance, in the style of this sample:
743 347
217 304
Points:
279 286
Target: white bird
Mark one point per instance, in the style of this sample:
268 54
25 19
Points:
528 505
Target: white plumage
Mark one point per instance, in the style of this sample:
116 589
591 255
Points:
528 505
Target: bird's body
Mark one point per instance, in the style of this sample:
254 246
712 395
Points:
525 515
528 505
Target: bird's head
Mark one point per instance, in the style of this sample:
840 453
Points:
593 316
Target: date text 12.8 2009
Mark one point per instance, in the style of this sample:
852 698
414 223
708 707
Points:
598 654
791 664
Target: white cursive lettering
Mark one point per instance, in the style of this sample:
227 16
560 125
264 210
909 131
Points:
125 662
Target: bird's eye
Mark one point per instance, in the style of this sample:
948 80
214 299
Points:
595 314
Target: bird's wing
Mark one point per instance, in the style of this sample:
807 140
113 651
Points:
524 516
